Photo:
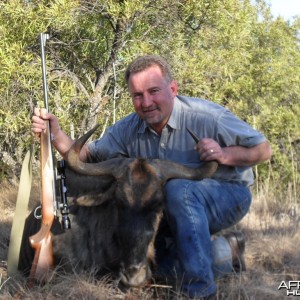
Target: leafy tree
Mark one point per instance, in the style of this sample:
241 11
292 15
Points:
232 52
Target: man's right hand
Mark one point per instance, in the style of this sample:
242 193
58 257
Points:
38 122
60 140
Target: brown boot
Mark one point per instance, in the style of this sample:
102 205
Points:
236 241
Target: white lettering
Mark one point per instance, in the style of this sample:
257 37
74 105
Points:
292 287
293 292
282 285
295 284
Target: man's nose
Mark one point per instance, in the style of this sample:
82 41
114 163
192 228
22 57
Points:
147 100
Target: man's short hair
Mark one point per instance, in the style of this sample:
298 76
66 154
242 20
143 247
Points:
143 62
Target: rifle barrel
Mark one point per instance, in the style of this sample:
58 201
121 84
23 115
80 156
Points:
43 38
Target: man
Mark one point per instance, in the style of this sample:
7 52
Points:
194 210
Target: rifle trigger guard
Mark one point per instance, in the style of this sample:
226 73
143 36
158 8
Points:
36 212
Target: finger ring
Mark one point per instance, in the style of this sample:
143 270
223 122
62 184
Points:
211 150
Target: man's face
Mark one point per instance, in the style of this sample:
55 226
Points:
152 96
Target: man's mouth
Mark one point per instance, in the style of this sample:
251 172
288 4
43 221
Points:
149 110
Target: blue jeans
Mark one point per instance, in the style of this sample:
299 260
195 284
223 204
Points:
194 211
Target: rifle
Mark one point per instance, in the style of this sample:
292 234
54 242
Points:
41 242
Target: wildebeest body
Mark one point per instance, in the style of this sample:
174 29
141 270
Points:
115 215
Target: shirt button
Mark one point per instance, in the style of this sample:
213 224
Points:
163 145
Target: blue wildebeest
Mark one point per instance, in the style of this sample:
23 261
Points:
116 209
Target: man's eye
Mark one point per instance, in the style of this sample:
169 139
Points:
154 91
137 96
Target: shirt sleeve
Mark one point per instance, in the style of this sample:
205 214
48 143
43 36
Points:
232 131
109 146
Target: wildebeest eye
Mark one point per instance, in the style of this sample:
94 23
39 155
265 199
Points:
121 203
155 204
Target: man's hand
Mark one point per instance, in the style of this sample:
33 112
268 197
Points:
209 149
60 140
38 122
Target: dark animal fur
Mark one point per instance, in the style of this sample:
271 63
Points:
108 237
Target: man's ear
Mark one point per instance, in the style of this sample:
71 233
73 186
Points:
174 87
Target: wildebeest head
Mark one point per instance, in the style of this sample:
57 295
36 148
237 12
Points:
138 194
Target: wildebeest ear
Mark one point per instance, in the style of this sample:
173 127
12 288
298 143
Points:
96 199
90 200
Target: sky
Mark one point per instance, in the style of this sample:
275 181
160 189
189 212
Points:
285 8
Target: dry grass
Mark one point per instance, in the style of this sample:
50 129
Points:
272 256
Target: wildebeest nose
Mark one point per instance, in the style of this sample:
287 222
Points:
133 269
135 275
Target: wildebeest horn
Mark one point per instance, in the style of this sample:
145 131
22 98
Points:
108 167
164 169
168 169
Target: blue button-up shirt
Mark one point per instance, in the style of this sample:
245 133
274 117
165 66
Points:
132 137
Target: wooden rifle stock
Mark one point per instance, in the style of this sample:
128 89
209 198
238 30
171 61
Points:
41 242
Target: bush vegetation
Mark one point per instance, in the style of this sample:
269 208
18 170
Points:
232 52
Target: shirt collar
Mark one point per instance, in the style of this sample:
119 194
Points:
175 118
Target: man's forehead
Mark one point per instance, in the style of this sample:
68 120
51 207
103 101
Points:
149 78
